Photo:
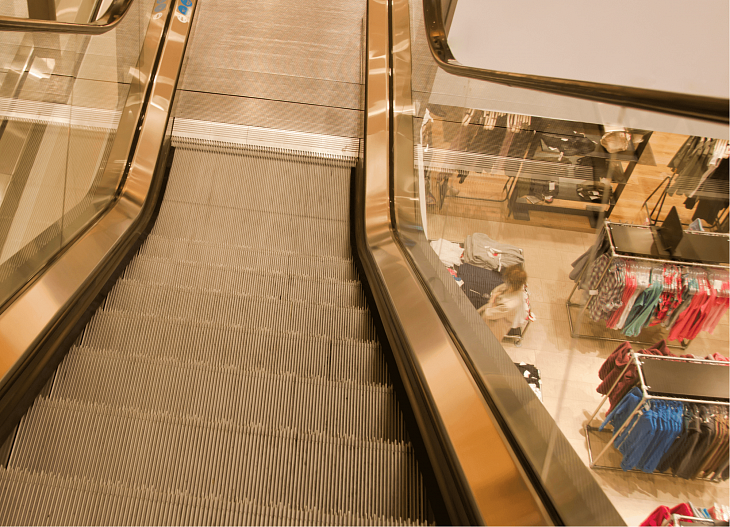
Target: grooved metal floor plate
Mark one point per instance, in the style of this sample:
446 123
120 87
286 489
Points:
284 64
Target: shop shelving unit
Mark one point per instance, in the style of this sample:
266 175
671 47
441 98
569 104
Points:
666 379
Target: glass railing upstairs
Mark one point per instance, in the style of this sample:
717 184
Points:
581 51
531 217
69 104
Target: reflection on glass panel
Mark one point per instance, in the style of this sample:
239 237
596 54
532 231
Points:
61 99
14 8
510 180
73 11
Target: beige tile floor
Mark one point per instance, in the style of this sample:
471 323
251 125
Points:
569 366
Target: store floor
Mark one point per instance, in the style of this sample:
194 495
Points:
569 366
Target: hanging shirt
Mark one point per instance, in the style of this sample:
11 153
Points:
629 290
643 306
663 513
694 329
672 295
640 287
719 307
626 379
646 305
670 426
684 445
609 296
594 278
692 460
649 434
688 315
689 288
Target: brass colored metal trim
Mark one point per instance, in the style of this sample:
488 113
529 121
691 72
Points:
713 109
106 22
25 322
481 475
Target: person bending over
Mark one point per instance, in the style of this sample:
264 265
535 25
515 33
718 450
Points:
506 307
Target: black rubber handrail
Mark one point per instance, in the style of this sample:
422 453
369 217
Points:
106 22
712 109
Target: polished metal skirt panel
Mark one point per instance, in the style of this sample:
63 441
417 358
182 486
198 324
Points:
232 375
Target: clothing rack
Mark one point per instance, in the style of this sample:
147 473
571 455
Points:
656 210
678 520
614 252
703 382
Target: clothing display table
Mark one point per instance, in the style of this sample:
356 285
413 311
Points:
574 179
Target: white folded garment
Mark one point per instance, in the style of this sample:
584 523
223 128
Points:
448 252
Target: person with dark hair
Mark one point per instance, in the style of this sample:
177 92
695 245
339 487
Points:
506 307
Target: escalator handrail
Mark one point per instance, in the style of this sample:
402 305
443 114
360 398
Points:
106 22
713 109
36 326
470 463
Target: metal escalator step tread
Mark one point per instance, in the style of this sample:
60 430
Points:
300 468
240 348
242 281
240 310
249 258
254 229
260 181
115 503
272 400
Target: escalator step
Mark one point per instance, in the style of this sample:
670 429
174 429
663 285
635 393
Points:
240 310
253 229
246 398
42 498
242 281
101 445
271 183
232 375
247 258
243 349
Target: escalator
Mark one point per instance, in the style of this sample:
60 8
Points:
233 373
232 314
237 358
